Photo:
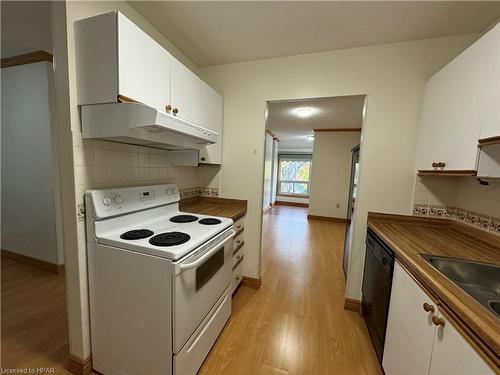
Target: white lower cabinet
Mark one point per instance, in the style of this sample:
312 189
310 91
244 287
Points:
452 354
415 345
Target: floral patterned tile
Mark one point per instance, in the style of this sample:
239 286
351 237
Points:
474 219
437 211
420 209
198 192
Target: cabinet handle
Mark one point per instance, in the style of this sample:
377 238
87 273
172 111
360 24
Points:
202 159
428 308
238 242
168 108
437 321
434 165
175 111
238 227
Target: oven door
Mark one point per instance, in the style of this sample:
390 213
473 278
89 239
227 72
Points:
199 281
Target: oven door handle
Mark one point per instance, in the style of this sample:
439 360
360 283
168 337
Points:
187 266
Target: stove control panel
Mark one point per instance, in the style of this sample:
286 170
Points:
113 202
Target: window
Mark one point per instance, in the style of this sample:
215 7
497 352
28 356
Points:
294 174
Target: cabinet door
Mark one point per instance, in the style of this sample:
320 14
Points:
185 92
449 124
211 118
144 66
410 332
488 71
452 354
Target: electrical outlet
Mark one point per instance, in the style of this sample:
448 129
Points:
337 205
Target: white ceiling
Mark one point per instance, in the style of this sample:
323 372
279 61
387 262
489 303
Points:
212 32
328 113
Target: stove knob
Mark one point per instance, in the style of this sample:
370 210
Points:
118 199
106 201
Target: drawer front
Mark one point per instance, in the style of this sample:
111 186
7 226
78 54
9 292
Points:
238 241
237 276
237 256
239 224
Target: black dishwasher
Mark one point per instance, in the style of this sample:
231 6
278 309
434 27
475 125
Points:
377 281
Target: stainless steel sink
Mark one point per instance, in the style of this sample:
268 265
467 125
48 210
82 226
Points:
480 280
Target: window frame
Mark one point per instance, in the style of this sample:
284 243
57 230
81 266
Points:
283 157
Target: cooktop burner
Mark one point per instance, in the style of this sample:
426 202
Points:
169 239
209 221
183 219
136 234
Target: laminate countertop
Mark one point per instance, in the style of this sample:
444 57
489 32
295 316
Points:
225 207
409 236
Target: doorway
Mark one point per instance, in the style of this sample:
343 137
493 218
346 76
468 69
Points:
351 204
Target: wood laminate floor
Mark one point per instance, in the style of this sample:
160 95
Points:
34 320
295 323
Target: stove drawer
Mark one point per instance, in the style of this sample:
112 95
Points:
193 353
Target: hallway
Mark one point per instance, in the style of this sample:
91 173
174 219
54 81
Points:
295 323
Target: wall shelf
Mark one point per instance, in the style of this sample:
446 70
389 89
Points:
447 173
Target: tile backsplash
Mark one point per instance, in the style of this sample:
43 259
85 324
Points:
102 164
459 198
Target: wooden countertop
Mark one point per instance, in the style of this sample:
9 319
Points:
409 236
225 207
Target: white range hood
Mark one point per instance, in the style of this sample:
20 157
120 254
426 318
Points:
139 124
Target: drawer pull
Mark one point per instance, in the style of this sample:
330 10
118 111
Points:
175 111
438 321
238 226
428 307
168 108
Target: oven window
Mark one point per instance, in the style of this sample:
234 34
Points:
205 272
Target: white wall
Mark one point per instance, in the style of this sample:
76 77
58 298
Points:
331 172
392 76
28 214
25 27
268 172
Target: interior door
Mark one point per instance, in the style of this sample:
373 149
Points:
353 189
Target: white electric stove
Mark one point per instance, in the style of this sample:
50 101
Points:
159 281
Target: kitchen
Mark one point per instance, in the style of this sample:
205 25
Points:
397 138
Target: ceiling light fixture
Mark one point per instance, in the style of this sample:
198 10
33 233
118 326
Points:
304 112
310 138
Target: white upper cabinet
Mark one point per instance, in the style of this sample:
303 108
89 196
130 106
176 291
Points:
416 345
489 71
144 66
461 106
115 57
211 118
185 89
